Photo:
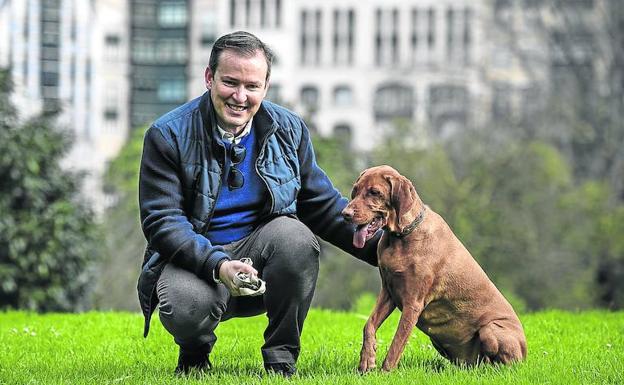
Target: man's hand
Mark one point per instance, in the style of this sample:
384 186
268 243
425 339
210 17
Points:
227 275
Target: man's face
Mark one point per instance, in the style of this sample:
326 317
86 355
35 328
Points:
237 88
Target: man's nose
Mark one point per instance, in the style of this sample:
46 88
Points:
240 94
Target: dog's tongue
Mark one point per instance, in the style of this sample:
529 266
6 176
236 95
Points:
359 238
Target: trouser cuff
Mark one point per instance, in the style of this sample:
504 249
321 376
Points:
278 356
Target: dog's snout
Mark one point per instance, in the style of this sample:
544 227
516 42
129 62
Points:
347 214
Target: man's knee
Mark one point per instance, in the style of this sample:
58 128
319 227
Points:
187 304
292 244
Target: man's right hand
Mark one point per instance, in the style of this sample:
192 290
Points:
229 269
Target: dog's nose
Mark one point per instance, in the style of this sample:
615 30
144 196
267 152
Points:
347 214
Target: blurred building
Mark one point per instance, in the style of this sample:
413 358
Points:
352 67
356 67
71 55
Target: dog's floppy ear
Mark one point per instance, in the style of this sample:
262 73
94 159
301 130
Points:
356 182
402 199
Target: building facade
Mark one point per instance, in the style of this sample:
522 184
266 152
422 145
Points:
353 67
69 56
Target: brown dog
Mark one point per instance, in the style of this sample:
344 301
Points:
430 276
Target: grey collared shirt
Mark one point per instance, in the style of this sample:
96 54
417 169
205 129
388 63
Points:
230 138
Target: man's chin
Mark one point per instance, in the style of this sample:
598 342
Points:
233 124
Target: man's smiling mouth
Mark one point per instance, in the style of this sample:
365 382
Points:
236 107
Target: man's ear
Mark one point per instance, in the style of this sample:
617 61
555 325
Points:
209 78
267 84
402 200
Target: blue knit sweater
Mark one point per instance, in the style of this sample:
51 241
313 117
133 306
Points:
238 211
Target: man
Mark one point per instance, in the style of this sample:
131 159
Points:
230 176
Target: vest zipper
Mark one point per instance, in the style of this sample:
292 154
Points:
260 155
209 218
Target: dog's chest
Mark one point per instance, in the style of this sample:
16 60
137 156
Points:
394 283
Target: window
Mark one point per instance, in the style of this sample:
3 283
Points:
274 94
310 97
172 90
112 49
343 133
209 29
232 13
143 13
414 33
458 35
387 37
50 78
532 104
310 37
448 108
112 40
501 101
50 65
255 13
468 16
431 28
394 101
448 96
450 32
50 39
172 51
110 114
343 96
343 36
172 14
143 50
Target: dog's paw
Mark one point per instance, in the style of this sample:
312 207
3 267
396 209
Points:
388 366
367 364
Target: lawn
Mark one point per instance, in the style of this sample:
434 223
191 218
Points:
108 348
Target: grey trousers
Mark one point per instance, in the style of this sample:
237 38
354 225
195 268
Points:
285 253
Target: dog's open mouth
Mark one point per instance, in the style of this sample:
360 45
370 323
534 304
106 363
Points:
366 231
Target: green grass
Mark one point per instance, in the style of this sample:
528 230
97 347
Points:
108 348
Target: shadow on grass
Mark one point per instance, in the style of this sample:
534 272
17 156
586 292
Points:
431 365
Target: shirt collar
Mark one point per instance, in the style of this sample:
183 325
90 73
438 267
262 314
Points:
230 138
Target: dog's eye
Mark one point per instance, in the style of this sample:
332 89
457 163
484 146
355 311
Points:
374 192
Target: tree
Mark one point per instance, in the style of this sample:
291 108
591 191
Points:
583 116
48 236
124 241
541 236
342 278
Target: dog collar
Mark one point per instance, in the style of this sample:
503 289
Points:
412 226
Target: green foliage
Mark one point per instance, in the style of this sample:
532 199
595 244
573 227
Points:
122 174
124 246
545 239
47 235
336 158
108 348
514 203
339 271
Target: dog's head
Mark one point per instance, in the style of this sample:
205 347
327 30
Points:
381 197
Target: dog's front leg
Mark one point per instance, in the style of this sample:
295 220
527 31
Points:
383 307
409 317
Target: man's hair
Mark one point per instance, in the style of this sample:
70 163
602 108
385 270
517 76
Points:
243 43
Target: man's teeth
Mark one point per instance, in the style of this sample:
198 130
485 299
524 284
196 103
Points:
236 108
